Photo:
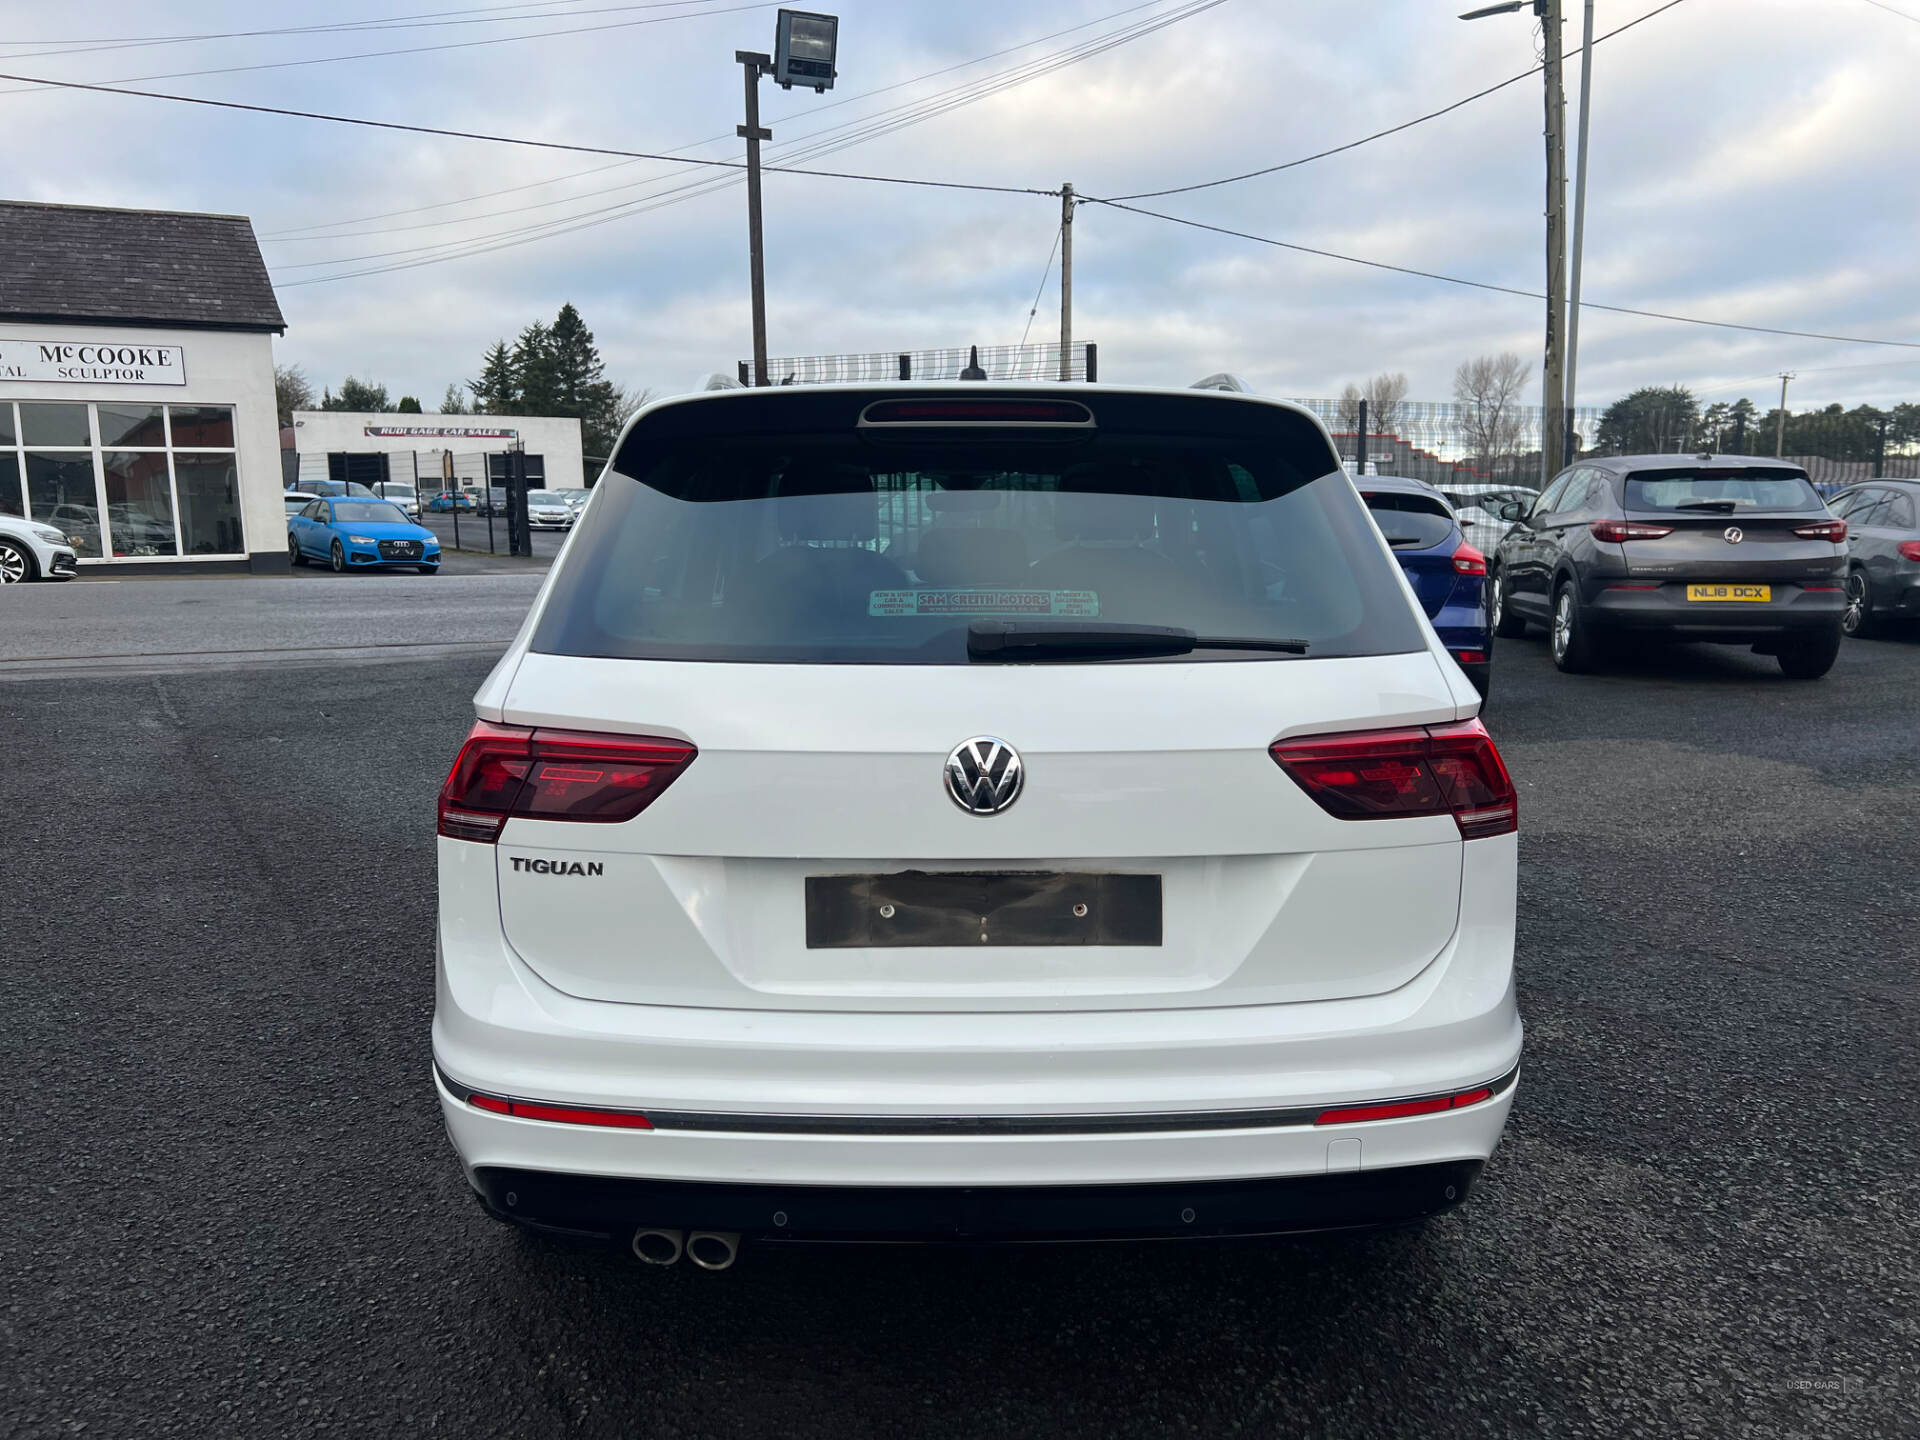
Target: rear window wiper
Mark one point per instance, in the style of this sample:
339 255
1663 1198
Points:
1013 640
1718 507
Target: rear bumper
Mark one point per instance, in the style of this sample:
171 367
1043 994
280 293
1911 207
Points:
610 1209
1667 611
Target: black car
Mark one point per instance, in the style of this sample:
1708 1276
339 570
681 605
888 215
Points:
1728 549
1883 551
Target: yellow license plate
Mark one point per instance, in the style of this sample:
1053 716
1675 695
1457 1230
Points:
1724 594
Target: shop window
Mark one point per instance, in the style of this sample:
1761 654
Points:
8 434
60 491
133 427
201 427
139 501
209 491
10 501
53 423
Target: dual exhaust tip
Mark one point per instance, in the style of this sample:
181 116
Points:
709 1249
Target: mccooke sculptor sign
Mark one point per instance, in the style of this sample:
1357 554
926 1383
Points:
88 362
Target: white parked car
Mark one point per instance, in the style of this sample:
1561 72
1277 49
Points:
953 811
550 510
401 494
30 550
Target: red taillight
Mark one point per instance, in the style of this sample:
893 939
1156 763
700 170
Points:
561 1114
1834 530
1471 657
508 770
1469 561
1397 774
1910 549
1614 531
1399 1109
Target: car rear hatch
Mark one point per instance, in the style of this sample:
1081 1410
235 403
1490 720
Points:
1423 537
1763 526
819 617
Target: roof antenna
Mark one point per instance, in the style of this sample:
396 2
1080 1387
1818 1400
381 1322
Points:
973 370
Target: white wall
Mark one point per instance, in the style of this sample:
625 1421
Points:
324 432
223 368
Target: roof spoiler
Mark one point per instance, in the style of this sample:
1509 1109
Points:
1232 384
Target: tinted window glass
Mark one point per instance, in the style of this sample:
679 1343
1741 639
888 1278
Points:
10 503
1410 522
1900 512
50 423
368 512
209 494
7 433
1550 497
205 426
769 528
1745 489
133 425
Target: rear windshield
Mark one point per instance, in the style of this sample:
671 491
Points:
368 512
1410 522
772 528
1743 489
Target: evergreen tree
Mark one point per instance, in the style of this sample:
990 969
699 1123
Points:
581 390
409 405
497 391
533 372
1653 420
357 395
454 402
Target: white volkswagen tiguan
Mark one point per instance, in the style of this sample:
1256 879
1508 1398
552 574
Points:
974 812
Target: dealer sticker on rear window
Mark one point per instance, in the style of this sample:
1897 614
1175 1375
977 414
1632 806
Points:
1084 604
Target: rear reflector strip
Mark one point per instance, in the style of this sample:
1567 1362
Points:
1400 1109
957 1125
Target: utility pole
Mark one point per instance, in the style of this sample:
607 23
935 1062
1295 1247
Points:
1579 225
1553 372
755 66
1780 421
1066 282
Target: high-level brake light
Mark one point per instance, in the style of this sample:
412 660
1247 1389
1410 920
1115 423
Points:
508 770
1398 774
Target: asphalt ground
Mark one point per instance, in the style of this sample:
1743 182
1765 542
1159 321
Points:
229 1208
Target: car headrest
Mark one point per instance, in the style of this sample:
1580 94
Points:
827 502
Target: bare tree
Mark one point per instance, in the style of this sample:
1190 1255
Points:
1386 396
1486 394
291 391
1350 399
627 399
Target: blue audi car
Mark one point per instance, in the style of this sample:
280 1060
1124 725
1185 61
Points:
1448 575
353 534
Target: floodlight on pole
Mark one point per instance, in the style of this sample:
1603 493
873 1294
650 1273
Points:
805 46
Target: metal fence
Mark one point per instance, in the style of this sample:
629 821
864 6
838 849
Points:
1000 362
1445 443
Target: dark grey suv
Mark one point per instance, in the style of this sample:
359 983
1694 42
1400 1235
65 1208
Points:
1729 549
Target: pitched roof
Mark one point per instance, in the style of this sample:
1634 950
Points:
80 263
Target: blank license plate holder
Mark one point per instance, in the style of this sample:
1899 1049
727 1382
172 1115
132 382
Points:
919 908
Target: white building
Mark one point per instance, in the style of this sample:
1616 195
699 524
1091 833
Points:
136 386
434 452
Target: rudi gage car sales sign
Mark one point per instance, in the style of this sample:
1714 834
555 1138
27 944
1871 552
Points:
89 362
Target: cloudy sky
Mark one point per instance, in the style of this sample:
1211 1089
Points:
1752 161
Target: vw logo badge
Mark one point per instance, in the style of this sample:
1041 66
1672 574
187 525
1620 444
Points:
984 775
1734 534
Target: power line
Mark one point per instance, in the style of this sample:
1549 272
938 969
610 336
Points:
1391 130
294 232
416 49
856 132
1498 289
516 140
1058 232
425 20
1911 19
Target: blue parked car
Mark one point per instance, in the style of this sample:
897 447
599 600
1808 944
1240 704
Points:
354 534
1448 575
451 500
